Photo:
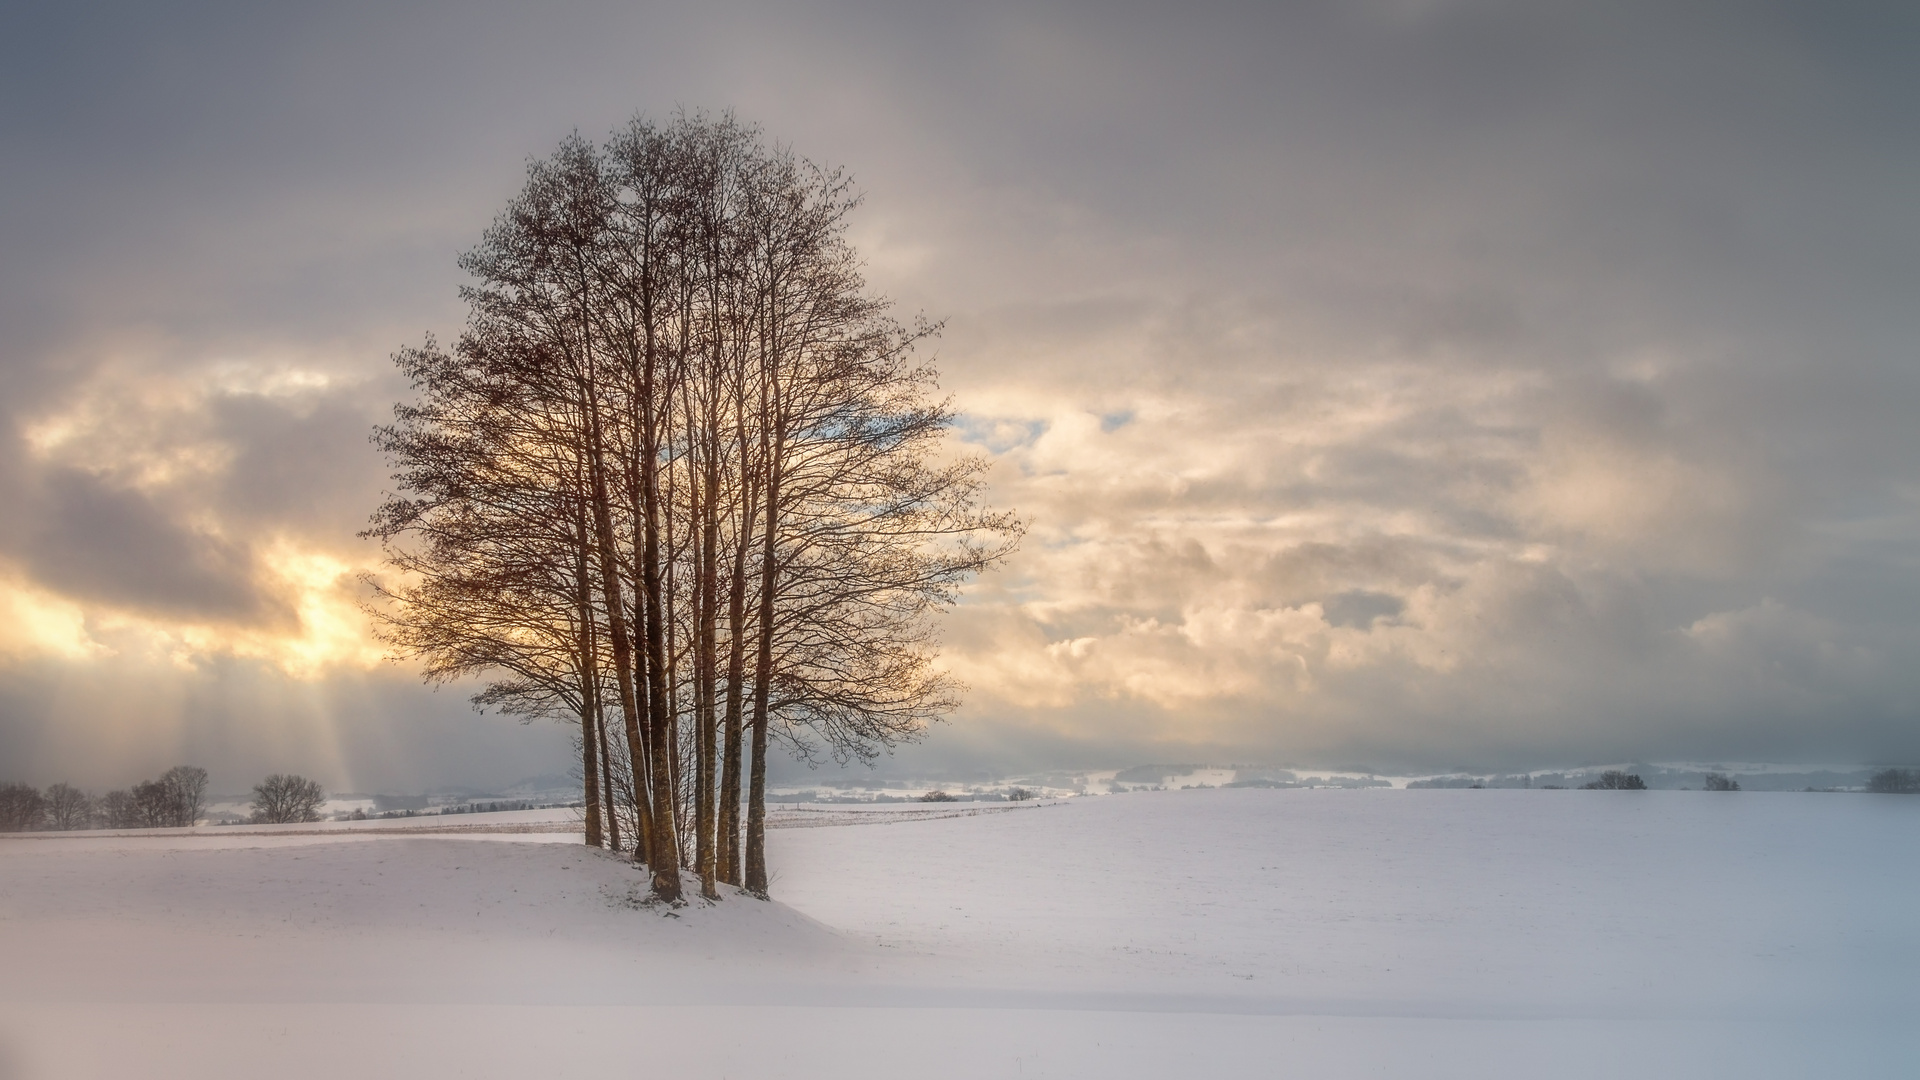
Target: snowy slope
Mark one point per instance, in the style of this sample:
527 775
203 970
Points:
1468 933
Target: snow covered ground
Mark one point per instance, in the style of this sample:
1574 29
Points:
1255 932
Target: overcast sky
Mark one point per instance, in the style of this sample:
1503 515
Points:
1402 385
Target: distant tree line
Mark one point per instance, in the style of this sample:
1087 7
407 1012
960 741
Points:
1609 780
682 482
1616 780
176 800
1895 782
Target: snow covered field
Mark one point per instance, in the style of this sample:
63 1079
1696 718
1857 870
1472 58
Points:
1255 932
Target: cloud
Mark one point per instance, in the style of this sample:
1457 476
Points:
1420 383
96 543
1391 561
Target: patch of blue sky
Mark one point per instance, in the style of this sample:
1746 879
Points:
998 434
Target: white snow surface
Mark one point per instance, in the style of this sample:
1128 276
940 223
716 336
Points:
1267 932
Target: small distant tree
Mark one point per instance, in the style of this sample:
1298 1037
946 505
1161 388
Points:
22 807
1895 782
936 796
1615 780
68 807
187 792
1019 794
152 805
281 799
1720 782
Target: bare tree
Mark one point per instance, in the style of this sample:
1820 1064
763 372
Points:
22 807
68 807
1714 781
284 798
153 805
863 536
118 810
187 792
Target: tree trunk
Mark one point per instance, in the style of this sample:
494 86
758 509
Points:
617 633
642 803
670 560
705 673
763 680
665 841
590 778
589 687
729 824
606 774
704 484
609 563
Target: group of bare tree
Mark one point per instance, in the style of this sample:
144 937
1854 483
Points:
1616 780
175 800
681 482
1895 782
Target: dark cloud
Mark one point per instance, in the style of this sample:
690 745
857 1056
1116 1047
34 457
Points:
97 543
305 464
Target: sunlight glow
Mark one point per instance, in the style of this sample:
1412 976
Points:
330 630
34 622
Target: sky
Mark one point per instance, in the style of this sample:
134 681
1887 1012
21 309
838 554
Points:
1404 385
